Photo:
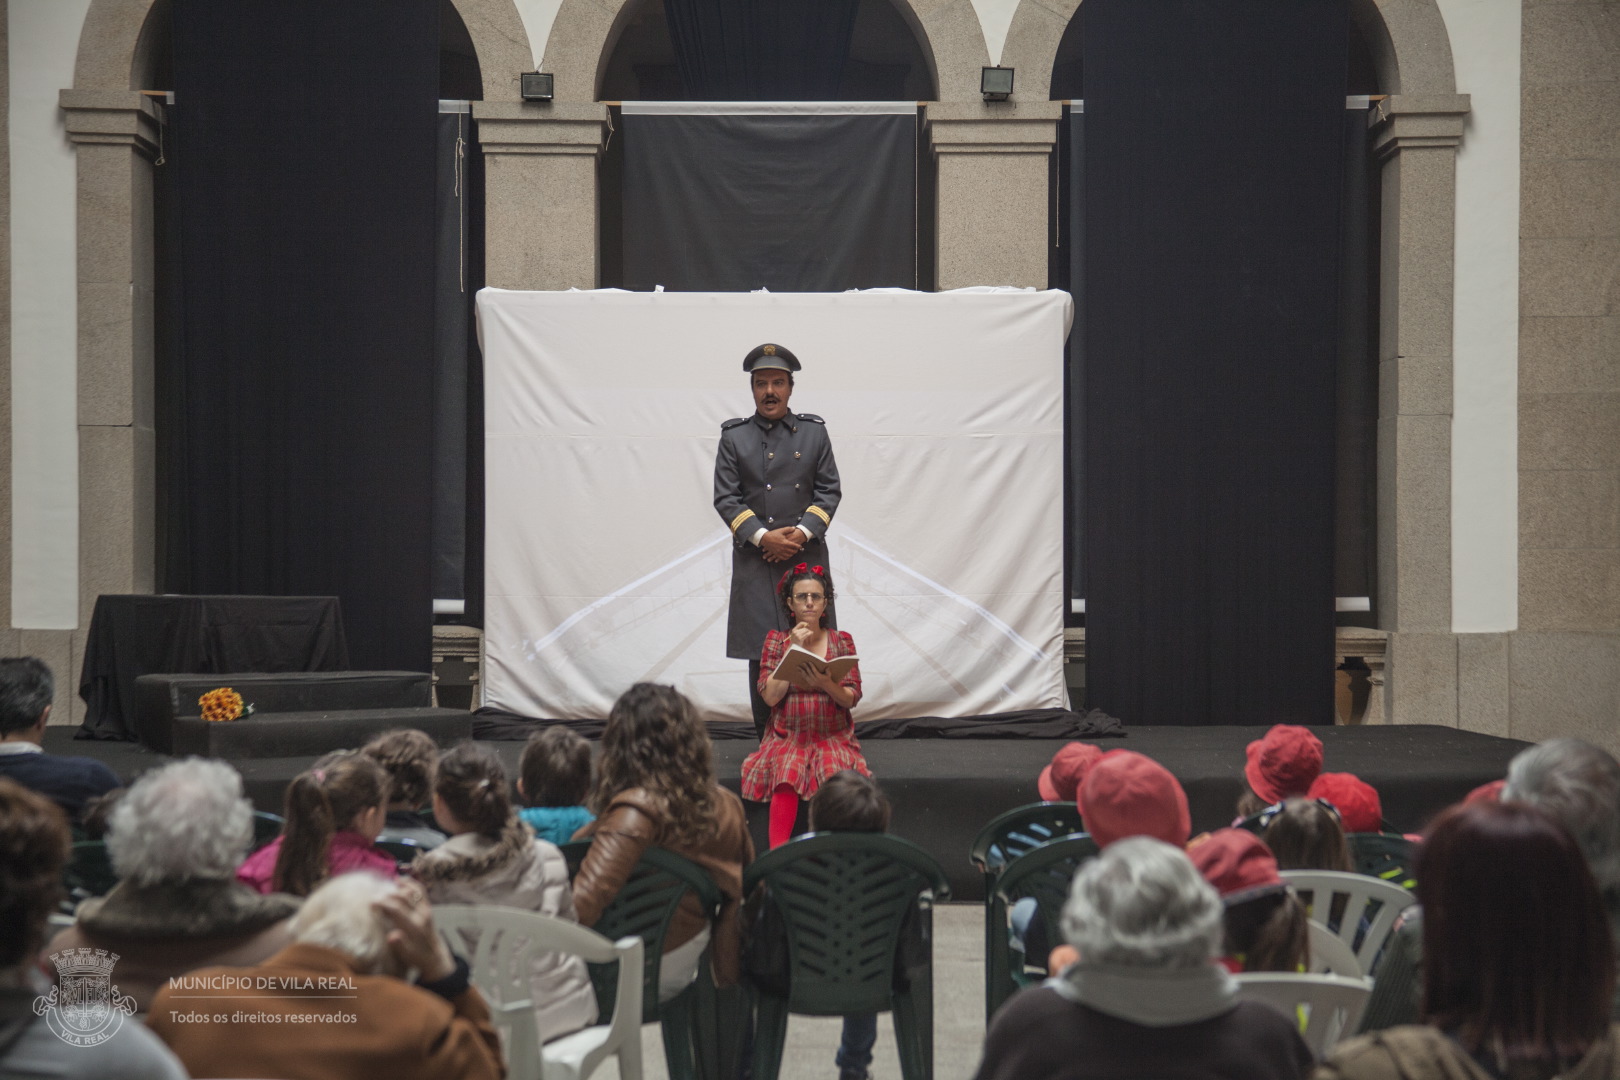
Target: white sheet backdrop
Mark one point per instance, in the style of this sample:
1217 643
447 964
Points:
606 563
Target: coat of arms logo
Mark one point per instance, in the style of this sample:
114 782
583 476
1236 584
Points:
84 1007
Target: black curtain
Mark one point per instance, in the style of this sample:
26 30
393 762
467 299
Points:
303 451
452 318
761 50
1213 145
790 203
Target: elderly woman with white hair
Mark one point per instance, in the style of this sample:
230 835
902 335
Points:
175 839
1148 996
367 989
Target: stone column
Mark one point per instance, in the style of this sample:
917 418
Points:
117 135
540 192
1415 138
994 191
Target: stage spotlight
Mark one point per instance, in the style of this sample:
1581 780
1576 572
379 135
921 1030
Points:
535 86
996 83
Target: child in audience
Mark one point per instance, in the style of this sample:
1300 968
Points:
554 777
1265 923
1060 781
1305 834
1360 810
334 811
492 857
1282 763
848 801
409 757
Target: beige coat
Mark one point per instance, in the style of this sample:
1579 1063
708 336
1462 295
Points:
1416 1052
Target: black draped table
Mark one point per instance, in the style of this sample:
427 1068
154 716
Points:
149 635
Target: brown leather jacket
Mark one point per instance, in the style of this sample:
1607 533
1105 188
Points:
636 820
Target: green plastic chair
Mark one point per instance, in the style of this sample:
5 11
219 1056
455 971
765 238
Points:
89 871
693 1022
402 850
1384 855
266 827
1044 873
843 899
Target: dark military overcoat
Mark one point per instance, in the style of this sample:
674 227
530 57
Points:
767 474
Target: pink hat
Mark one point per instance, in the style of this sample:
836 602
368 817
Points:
1283 762
1236 862
1127 794
1061 779
1354 799
1491 792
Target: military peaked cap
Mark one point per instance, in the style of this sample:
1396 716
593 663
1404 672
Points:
770 356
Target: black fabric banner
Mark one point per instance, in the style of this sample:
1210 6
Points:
761 50
305 134
452 318
794 203
1213 145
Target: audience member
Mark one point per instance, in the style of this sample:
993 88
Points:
1146 998
1360 810
655 787
554 779
1518 967
334 812
408 756
849 801
26 691
175 840
1129 794
493 858
1284 762
93 818
336 1004
34 846
1575 782
1305 834
1060 781
1265 922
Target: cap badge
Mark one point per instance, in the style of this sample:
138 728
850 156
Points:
770 350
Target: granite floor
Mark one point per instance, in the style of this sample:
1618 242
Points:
958 1015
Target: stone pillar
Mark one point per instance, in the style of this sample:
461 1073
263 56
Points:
994 191
540 192
117 136
1416 138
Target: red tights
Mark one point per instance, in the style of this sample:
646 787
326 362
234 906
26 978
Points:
784 812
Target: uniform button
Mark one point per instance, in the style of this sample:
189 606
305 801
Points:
795 487
795 453
769 520
771 454
767 487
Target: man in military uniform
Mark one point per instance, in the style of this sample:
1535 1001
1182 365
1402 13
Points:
776 488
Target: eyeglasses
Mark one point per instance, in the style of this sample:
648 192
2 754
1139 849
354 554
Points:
808 598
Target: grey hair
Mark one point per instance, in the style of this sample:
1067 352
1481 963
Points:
1142 903
1579 785
339 915
179 822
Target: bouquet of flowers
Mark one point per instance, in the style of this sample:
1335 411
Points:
222 705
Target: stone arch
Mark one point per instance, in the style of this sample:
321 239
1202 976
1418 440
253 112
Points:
117 44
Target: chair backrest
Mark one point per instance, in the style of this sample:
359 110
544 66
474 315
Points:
843 898
266 827
501 944
89 871
643 908
1367 901
1329 954
1046 874
1331 1004
403 849
1009 835
1384 855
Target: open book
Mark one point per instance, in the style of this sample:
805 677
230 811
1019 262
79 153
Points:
798 662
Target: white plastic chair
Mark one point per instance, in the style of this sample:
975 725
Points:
1329 954
1325 886
503 943
1331 1004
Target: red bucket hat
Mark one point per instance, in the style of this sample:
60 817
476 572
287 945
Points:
1237 863
1283 762
1354 799
1129 794
1488 792
1061 780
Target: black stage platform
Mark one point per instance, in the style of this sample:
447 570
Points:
943 790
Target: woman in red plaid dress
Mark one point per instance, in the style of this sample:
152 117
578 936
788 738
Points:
811 734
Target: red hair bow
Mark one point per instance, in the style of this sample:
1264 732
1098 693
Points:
800 568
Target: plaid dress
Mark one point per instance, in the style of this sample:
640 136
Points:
810 737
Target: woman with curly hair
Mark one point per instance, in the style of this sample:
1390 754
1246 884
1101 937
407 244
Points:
655 787
811 734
